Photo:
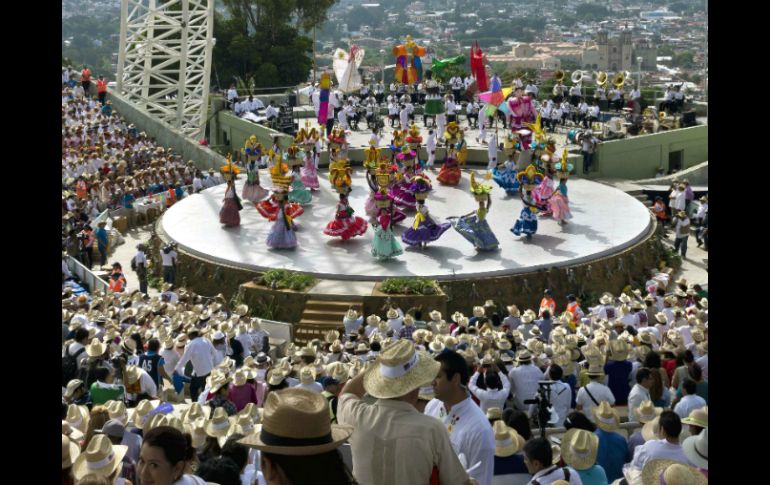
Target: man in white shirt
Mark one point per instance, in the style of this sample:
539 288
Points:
271 112
668 100
197 182
640 392
574 94
168 258
667 447
232 95
343 116
468 427
678 99
538 458
524 379
403 117
490 397
202 354
451 109
690 401
590 395
492 152
561 395
431 147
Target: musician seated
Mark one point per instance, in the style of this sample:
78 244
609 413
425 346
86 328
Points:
678 104
472 114
668 98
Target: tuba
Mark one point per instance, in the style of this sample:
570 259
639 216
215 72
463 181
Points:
601 79
619 80
577 77
558 76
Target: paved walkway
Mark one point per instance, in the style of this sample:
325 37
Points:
126 251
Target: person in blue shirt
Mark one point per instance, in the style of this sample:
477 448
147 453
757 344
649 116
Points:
102 240
578 450
509 459
613 448
107 109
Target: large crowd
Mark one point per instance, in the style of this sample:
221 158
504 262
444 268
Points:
183 389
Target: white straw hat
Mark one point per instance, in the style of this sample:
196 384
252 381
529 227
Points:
399 370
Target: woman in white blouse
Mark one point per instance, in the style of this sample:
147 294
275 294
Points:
496 393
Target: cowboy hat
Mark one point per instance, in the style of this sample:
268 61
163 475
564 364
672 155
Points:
513 310
373 320
96 348
241 310
69 452
619 349
523 356
494 413
606 416
307 375
647 412
595 368
275 377
697 449
698 417
100 458
579 448
351 314
650 429
78 417
293 416
306 352
392 313
436 346
606 299
435 315
507 440
661 318
219 424
72 386
140 412
117 410
672 473
399 370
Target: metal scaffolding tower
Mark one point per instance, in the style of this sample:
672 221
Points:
164 59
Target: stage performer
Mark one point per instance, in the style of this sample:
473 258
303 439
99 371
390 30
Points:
252 191
309 171
474 226
424 229
229 215
373 161
544 191
527 222
520 110
434 105
269 208
384 245
408 63
478 69
558 202
401 190
450 171
504 174
253 149
345 224
282 233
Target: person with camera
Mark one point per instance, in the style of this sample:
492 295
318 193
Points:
496 383
524 380
168 256
468 427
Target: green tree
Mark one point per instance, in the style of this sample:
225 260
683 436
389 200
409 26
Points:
359 16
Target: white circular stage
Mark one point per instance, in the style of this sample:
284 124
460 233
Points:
605 221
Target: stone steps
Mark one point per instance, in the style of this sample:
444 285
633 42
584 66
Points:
320 316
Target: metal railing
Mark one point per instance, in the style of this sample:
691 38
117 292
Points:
86 276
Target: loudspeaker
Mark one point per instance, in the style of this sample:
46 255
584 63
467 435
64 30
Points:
688 118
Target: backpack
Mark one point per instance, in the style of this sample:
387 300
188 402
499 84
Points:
133 263
69 366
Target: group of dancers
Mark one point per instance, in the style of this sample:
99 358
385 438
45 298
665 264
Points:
399 183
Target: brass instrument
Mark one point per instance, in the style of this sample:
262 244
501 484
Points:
601 79
619 80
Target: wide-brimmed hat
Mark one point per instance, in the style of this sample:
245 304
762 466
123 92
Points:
526 318
275 377
69 451
307 375
494 413
77 417
296 422
606 416
619 349
650 429
72 386
697 449
523 356
398 370
507 440
647 412
579 448
392 313
96 348
595 368
373 320
307 351
117 410
140 412
698 417
671 472
219 424
100 458
606 299
513 310
351 314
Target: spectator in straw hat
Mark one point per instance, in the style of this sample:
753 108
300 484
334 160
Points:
101 458
467 424
409 445
242 392
539 459
578 450
496 385
139 384
69 453
115 431
697 420
613 448
524 379
697 450
662 435
618 368
561 394
297 442
640 392
509 460
669 472
590 395
644 413
220 390
352 321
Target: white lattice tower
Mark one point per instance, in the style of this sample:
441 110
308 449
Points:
164 59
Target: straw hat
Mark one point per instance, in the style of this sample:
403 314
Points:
698 417
117 410
526 318
513 310
426 393
100 458
503 345
241 310
671 472
140 412
619 349
218 425
606 416
409 320
240 377
647 412
351 314
294 416
275 377
72 386
392 313
579 448
650 429
697 449
523 356
307 375
96 348
69 452
494 413
507 440
373 320
606 299
399 370
436 346
435 315
595 368
307 352
77 417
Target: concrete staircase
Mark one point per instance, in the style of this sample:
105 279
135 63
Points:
639 195
322 315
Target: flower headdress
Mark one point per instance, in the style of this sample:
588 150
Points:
563 168
479 189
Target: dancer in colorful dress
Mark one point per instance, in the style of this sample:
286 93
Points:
474 226
299 193
270 208
527 221
424 229
252 190
228 215
558 202
309 171
372 164
450 171
544 190
402 192
282 233
384 245
345 224
504 174
252 149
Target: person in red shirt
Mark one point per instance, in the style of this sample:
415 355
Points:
85 79
101 90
